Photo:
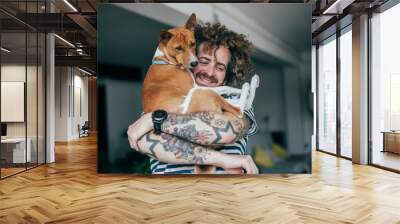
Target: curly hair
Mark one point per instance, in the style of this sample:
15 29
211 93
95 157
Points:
215 35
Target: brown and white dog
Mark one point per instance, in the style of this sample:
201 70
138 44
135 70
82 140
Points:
169 83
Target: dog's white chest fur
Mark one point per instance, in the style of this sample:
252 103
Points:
241 98
158 53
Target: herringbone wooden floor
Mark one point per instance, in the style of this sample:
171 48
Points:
71 191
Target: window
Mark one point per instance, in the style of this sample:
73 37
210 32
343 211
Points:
346 92
327 95
385 88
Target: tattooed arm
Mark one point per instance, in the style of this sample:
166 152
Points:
207 128
173 150
170 149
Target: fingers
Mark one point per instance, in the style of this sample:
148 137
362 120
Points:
255 169
234 171
132 138
139 128
253 165
234 164
250 166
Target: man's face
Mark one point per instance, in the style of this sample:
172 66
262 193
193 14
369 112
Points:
212 66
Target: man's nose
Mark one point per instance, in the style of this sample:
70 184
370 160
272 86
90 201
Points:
210 70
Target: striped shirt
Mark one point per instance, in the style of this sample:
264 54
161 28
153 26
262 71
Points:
237 148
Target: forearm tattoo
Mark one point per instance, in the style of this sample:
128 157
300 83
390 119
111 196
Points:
181 149
153 143
184 149
221 126
190 132
206 128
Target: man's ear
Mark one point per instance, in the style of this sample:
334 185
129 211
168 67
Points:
191 22
165 36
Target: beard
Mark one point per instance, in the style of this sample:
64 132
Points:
203 79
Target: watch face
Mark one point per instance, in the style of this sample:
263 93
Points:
159 114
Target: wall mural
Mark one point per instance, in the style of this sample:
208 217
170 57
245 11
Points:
204 88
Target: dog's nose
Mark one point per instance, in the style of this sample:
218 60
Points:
193 63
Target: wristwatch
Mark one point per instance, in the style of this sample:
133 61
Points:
158 117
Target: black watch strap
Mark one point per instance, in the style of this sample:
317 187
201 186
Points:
157 128
158 117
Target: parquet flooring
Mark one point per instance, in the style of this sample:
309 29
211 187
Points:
71 191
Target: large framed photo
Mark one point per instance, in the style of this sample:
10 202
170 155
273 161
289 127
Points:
210 88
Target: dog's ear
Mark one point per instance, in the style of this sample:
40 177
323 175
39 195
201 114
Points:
165 36
191 22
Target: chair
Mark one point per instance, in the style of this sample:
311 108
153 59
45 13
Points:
84 130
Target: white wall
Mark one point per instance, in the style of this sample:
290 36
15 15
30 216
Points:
12 100
67 115
14 72
61 103
17 72
33 127
80 83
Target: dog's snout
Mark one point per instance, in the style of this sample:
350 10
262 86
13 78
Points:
193 63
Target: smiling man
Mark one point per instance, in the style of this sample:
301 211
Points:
212 67
204 138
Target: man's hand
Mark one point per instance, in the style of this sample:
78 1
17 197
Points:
233 164
136 130
234 171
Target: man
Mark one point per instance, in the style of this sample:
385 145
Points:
204 138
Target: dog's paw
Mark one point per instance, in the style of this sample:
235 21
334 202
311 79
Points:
245 87
254 84
255 81
244 96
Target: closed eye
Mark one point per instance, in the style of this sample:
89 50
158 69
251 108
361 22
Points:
221 67
179 48
203 62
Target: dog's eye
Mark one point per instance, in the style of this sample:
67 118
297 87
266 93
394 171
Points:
179 48
192 44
